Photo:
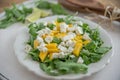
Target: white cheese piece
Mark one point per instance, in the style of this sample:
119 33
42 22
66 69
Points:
47 31
40 40
27 48
70 49
49 39
62 48
40 33
62 44
55 55
80 60
61 55
44 31
79 22
42 47
79 30
86 36
71 29
68 37
63 27
70 43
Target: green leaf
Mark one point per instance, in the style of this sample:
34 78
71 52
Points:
40 26
56 40
95 35
51 26
14 15
86 59
70 67
103 50
60 20
58 9
86 28
95 57
43 4
92 46
33 31
34 54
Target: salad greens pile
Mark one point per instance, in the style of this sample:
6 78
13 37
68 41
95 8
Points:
90 53
14 15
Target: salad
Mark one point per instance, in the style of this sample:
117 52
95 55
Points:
64 46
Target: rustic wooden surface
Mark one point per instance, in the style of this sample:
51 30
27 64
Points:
8 3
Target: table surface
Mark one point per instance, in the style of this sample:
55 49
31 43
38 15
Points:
12 69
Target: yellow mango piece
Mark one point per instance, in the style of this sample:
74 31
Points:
57 25
79 41
51 34
78 38
51 46
60 35
55 32
77 49
53 50
36 43
86 42
50 56
43 55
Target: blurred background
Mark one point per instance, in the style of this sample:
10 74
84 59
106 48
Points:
7 3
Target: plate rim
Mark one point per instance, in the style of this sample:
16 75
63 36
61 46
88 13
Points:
86 75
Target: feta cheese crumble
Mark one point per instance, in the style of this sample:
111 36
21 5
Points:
49 39
86 36
69 36
27 48
80 60
63 27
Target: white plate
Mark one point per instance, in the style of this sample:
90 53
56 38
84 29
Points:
33 66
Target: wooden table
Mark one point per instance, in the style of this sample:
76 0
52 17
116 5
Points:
8 3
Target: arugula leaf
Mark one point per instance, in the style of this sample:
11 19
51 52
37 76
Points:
60 20
58 9
34 54
86 59
70 67
43 4
40 26
95 35
14 15
90 57
68 19
51 26
31 40
33 30
86 28
5 22
56 40
95 57
103 50
92 46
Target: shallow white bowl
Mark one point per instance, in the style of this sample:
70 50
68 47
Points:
33 66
